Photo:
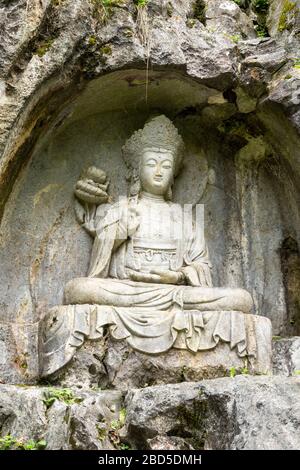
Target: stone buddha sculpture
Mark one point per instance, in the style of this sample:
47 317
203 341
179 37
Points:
143 255
149 280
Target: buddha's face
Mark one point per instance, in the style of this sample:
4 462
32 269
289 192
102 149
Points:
156 171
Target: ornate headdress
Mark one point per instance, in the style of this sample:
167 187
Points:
158 133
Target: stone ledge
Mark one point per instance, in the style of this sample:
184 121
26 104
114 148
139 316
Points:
231 413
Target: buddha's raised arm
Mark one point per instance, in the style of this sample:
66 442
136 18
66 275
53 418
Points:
90 191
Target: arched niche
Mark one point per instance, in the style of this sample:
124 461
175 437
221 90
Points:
240 165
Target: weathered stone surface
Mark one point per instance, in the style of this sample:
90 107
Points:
107 363
230 413
51 51
19 352
83 425
228 18
240 413
286 356
127 368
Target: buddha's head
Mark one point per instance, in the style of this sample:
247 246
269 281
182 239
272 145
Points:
156 171
154 154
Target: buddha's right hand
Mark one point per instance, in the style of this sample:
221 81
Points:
133 220
144 277
92 186
157 276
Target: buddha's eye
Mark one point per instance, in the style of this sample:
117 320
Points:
150 162
167 165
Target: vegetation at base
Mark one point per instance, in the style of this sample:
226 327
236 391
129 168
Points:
140 3
233 371
262 31
65 395
235 38
114 433
103 9
117 424
296 63
9 442
289 8
44 47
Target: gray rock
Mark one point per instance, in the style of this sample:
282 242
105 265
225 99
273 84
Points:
84 423
108 363
66 73
230 413
228 18
286 356
240 413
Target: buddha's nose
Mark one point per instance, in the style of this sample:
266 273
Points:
158 170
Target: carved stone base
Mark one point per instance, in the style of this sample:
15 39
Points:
99 359
127 368
114 364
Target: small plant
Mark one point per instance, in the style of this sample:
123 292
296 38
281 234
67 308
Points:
288 9
245 371
103 9
235 38
296 64
141 3
102 432
44 47
296 372
124 447
232 372
9 442
119 423
92 40
106 49
261 31
62 394
115 427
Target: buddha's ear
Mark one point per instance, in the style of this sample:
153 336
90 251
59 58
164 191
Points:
169 194
135 188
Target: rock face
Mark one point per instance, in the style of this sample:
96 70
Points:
84 422
231 413
286 356
240 413
76 79
107 363
72 89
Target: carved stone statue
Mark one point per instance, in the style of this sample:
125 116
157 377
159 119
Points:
149 278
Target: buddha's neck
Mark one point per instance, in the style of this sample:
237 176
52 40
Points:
144 195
